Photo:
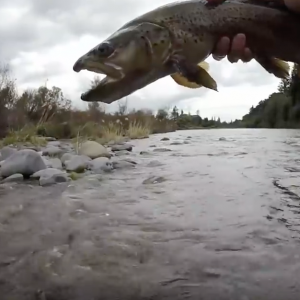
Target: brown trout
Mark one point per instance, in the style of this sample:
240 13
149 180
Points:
175 39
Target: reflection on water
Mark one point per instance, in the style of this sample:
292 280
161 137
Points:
217 217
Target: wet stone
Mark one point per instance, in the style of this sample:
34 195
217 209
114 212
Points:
154 180
144 153
25 162
122 152
93 150
14 178
154 163
123 147
6 152
53 151
162 150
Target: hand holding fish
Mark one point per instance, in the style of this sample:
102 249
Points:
237 49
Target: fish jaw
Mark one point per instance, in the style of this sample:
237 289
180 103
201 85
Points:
92 62
110 90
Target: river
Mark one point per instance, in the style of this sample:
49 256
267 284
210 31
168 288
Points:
216 217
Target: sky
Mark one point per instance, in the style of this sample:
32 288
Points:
41 40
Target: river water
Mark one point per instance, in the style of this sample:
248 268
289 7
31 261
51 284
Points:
217 217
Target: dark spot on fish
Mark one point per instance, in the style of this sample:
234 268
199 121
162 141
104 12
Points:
155 44
162 41
195 41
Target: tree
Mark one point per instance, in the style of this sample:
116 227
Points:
123 106
162 114
174 113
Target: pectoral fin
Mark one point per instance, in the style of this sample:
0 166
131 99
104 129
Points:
279 68
181 80
193 76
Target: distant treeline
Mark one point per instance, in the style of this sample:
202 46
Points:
280 110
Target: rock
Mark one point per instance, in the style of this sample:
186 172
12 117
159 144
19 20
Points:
37 149
186 142
52 151
55 178
111 143
189 137
130 160
152 146
176 143
55 163
222 139
54 143
66 156
25 162
122 152
14 178
127 147
93 150
47 162
77 163
47 173
50 139
154 163
162 150
100 164
6 152
50 176
154 180
123 164
75 176
165 139
144 153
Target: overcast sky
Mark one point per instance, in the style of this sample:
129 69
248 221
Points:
42 40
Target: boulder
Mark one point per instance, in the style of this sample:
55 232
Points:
77 163
25 162
93 150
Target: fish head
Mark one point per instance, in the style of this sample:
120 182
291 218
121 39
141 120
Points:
135 47
128 58
112 89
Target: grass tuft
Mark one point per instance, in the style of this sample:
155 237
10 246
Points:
137 130
24 136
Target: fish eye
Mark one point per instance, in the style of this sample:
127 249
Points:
105 49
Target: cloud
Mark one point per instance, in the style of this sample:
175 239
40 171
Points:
42 40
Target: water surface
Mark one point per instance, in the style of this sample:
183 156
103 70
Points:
217 217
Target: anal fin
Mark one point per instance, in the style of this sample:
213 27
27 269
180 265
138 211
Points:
278 67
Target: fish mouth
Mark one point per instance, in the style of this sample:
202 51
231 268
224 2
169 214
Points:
111 89
86 62
89 95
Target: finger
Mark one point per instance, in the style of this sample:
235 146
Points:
222 48
237 48
293 5
247 56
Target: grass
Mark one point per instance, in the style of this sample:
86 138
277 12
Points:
25 136
138 131
102 132
111 132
